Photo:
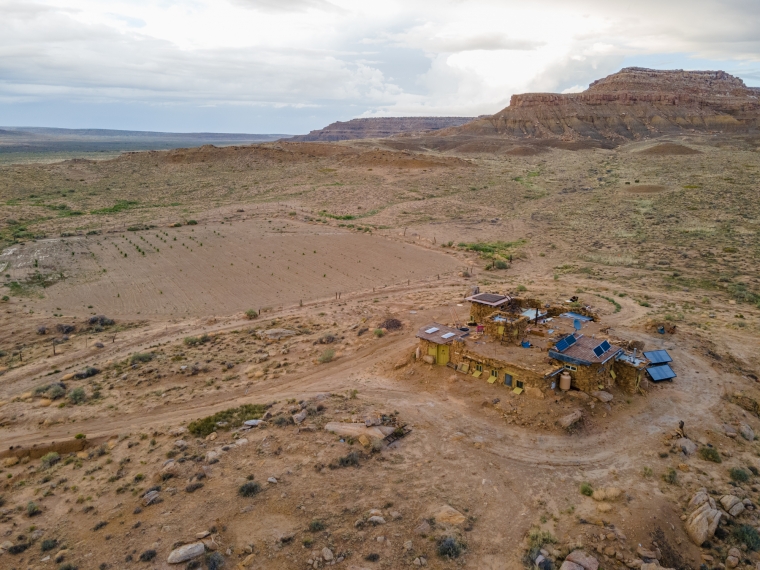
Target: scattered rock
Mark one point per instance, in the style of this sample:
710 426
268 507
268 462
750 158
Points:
449 515
567 565
729 430
602 396
376 520
186 552
150 497
272 480
701 524
180 443
300 416
687 446
423 528
277 334
584 560
570 419
577 394
647 554
747 432
732 504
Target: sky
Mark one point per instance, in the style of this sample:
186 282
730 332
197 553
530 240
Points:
290 66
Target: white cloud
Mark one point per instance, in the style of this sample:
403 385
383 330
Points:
471 55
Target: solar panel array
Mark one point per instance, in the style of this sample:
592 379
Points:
658 356
432 330
565 343
448 335
602 348
662 372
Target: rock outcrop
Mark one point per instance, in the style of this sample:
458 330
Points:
632 104
380 127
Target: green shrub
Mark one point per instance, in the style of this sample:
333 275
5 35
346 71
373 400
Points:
230 418
327 356
522 288
748 535
449 547
196 340
251 314
379 333
670 476
586 489
55 392
499 264
77 396
738 474
350 460
249 489
50 459
537 538
710 454
141 357
192 223
316 526
48 544
80 436
32 509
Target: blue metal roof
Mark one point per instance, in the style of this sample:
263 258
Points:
662 372
571 315
658 357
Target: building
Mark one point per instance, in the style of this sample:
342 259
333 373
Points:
526 346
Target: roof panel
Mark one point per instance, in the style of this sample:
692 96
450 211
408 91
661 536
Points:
662 372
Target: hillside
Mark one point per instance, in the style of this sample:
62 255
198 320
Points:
380 127
632 104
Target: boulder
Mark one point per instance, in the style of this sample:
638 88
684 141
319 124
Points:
327 554
300 416
699 498
449 515
577 394
747 432
376 520
687 446
701 524
567 565
186 552
277 334
602 396
583 559
647 554
570 419
534 392
729 430
429 359
732 504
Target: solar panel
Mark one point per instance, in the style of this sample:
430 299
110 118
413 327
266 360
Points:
605 346
662 372
561 345
432 330
448 335
658 357
598 351
571 340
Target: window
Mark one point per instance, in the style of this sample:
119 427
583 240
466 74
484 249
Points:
507 379
520 384
479 367
495 373
571 367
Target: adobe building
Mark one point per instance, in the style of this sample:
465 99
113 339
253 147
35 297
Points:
524 346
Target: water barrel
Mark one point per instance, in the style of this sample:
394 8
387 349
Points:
564 381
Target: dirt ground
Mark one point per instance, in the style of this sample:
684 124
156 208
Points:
394 240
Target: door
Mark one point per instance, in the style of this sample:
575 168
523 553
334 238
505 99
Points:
443 354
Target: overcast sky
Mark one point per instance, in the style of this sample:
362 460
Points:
288 66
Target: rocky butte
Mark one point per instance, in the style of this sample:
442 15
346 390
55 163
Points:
380 127
633 104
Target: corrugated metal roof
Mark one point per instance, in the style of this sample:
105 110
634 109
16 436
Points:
660 373
658 357
440 334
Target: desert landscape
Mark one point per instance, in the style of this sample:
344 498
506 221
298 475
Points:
211 355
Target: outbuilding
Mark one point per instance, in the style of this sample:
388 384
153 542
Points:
435 342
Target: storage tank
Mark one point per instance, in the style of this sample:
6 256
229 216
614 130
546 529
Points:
564 381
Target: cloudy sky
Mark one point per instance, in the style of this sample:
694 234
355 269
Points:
288 66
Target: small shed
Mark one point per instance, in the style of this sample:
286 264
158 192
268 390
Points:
435 342
483 304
